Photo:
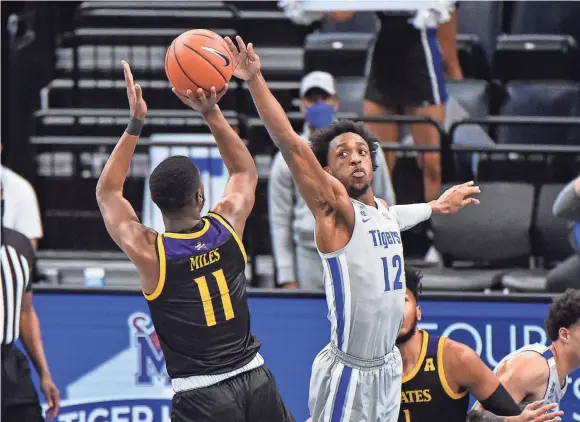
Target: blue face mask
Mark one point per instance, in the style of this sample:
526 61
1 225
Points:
320 114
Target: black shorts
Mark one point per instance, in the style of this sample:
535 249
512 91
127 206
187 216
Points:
249 397
19 397
406 69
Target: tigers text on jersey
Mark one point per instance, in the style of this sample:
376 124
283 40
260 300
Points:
425 395
199 308
554 391
365 284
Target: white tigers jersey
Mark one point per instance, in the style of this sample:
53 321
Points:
554 391
365 284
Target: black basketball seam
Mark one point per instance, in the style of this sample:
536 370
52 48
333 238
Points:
212 65
186 75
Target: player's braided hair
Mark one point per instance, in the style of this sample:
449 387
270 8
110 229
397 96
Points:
174 183
564 312
413 277
320 139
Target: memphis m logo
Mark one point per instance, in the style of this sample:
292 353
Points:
150 362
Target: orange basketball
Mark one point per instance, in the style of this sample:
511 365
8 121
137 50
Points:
198 59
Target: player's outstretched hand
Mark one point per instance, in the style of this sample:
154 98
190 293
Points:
535 412
199 101
137 104
246 61
455 198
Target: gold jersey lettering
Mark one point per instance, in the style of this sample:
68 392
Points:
203 260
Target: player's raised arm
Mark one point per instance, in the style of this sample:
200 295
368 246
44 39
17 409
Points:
239 194
121 221
320 191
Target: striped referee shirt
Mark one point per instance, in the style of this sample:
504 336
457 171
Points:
17 262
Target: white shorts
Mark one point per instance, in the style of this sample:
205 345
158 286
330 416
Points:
347 389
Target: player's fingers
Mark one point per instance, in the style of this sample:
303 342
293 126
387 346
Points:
470 183
535 405
241 44
251 54
128 75
138 92
201 97
470 201
470 190
231 46
182 97
212 94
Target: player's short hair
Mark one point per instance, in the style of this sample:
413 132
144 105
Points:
413 277
174 183
320 139
564 312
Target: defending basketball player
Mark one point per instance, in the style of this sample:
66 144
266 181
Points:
358 375
438 374
538 372
193 275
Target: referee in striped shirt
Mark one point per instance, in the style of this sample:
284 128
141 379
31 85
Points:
18 320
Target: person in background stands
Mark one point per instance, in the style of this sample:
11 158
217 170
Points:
410 60
567 273
18 320
22 212
291 222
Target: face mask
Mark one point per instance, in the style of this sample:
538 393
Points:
319 115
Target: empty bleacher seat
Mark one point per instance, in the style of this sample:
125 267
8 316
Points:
112 122
520 57
481 18
341 54
472 57
472 94
546 17
108 93
541 98
286 92
166 14
550 243
350 91
494 234
270 28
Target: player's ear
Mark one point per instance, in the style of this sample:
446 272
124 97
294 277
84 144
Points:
418 313
328 170
564 334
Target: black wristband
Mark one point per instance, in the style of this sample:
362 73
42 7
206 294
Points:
501 403
134 127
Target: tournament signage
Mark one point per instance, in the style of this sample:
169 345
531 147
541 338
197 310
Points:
106 360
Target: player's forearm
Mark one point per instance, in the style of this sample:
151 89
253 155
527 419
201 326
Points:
232 149
32 341
115 170
409 216
272 113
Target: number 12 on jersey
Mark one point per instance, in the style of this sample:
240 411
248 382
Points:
389 267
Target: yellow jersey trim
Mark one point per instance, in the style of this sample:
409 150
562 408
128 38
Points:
232 231
441 372
193 235
162 269
421 359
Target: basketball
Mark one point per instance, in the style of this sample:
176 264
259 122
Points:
198 59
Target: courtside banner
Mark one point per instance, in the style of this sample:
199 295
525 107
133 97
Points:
202 149
106 360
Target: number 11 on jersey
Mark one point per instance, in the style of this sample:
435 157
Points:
396 263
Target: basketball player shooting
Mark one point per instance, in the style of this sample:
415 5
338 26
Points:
193 275
358 375
439 374
539 372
